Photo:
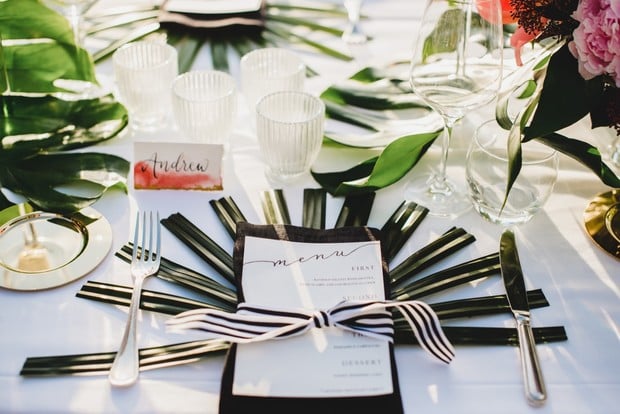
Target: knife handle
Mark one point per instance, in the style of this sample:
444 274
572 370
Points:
535 389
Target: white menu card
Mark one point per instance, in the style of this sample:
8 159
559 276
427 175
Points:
327 362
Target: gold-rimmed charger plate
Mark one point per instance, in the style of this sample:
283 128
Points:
83 239
602 221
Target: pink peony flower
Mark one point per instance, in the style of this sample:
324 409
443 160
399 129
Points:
596 41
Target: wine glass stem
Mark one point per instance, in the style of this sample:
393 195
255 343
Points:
353 10
462 46
439 185
74 16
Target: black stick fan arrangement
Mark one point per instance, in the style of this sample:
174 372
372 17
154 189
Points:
220 293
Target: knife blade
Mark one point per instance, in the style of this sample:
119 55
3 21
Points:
512 275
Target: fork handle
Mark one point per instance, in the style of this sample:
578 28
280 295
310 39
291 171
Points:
126 366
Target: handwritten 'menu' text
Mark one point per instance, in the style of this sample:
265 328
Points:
313 257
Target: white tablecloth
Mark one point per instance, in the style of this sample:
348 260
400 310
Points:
579 280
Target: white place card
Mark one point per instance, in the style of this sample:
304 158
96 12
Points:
326 362
177 166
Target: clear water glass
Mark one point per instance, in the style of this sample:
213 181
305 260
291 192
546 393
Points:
487 172
204 104
268 70
144 72
290 132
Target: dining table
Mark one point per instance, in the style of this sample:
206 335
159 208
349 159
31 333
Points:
579 279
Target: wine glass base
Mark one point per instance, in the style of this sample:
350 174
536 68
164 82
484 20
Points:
354 37
441 201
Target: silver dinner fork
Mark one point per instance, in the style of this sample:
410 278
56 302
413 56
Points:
144 263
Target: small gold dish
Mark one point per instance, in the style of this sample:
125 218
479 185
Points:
41 250
40 242
602 221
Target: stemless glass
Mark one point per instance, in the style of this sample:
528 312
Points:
268 70
487 172
204 103
456 67
289 127
144 72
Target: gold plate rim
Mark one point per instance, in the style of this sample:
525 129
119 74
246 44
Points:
597 224
96 249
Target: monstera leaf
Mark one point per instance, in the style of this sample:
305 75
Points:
41 121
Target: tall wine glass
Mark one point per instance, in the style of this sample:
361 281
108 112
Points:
73 10
456 68
353 34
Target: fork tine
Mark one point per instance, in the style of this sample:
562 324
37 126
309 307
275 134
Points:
143 256
134 251
149 254
158 241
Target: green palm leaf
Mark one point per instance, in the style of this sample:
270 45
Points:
280 23
39 179
558 97
378 172
36 128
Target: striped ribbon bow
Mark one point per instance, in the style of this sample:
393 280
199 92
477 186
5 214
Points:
253 323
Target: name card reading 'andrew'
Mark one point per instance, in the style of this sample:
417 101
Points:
327 362
177 166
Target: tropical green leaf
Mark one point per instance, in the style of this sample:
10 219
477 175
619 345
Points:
370 74
35 67
275 7
332 181
36 128
219 55
378 172
31 19
33 125
279 18
445 37
528 90
4 202
283 33
524 82
557 98
584 153
38 178
514 159
565 97
51 53
187 48
349 115
310 24
372 99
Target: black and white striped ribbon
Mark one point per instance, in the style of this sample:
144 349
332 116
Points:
253 323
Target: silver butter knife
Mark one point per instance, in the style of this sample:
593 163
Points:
512 275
